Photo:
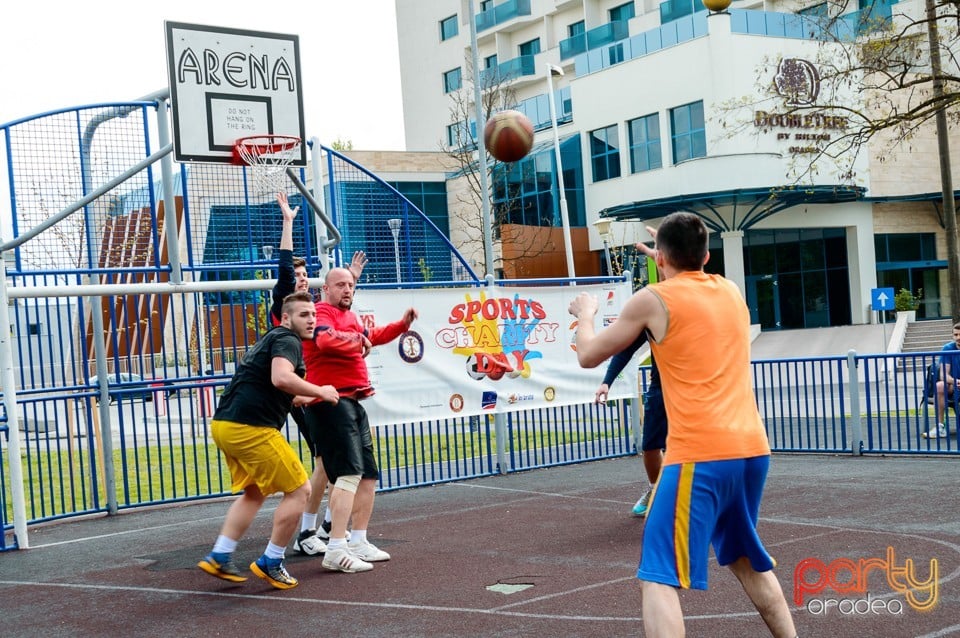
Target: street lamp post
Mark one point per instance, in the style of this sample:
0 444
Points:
394 225
552 70
603 228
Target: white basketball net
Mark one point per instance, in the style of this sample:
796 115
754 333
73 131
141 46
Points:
268 157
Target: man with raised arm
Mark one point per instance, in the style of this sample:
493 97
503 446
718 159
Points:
717 455
292 277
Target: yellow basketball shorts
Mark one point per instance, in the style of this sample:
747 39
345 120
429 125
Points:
258 455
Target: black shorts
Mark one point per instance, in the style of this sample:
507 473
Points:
301 420
341 434
654 421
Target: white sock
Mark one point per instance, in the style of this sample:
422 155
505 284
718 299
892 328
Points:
336 543
358 536
308 521
274 551
224 545
327 516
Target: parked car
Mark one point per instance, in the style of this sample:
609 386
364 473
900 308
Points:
133 386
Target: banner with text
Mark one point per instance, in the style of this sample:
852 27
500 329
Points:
484 350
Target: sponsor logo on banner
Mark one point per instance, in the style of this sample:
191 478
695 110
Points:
549 393
456 402
517 398
498 336
489 400
410 346
611 297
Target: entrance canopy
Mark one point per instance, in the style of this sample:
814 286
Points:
750 205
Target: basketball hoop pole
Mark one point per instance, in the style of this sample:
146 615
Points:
325 244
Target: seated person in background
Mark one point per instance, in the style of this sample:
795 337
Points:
947 383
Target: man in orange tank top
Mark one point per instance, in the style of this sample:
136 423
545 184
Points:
717 454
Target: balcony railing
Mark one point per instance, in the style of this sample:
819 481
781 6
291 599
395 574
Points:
667 35
809 27
538 108
594 39
509 70
501 13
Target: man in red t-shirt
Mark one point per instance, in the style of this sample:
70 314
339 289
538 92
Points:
342 435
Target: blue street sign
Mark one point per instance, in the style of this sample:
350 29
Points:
881 298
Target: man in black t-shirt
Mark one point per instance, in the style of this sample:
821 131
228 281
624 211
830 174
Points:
246 427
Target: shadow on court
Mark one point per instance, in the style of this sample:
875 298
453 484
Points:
549 552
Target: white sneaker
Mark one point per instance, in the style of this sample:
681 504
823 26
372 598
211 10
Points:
939 433
309 543
367 551
342 560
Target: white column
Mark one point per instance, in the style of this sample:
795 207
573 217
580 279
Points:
733 258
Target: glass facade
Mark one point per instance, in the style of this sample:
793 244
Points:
688 134
909 261
605 153
525 192
235 235
644 135
797 278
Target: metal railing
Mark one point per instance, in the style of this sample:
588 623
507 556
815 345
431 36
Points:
858 404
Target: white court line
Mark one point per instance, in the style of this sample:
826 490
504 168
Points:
353 603
946 631
503 610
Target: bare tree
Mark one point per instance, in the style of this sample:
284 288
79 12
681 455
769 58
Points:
884 76
497 94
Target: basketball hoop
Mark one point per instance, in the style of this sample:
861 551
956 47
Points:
268 157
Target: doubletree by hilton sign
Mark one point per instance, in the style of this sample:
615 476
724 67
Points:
798 82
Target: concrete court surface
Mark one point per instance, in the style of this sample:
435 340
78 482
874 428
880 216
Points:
549 552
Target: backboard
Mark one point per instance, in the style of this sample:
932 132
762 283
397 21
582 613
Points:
228 83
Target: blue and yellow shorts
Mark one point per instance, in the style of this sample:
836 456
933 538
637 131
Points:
699 504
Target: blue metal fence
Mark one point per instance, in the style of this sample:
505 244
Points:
865 404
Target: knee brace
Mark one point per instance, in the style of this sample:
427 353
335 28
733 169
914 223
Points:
348 483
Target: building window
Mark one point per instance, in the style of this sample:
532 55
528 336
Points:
452 80
687 132
449 28
575 29
605 153
622 12
525 192
486 5
644 135
490 61
531 47
34 329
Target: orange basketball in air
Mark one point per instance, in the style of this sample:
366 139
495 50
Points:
508 135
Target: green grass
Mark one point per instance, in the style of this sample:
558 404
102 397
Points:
59 482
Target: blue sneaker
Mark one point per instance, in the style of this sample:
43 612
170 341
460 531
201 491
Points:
273 571
640 509
221 566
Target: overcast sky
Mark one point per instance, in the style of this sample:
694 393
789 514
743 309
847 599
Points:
56 54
